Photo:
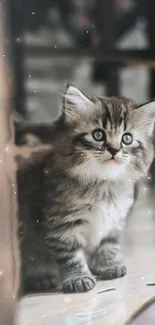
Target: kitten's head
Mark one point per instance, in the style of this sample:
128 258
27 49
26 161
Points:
109 138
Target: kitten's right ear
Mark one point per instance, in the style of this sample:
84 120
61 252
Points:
146 116
75 103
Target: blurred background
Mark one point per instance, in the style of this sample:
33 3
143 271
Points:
65 40
104 47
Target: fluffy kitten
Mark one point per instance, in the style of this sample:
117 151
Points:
74 204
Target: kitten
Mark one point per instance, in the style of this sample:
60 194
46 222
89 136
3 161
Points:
74 204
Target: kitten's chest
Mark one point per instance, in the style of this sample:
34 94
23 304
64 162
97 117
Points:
107 217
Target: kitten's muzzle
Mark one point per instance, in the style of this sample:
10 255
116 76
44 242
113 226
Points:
113 151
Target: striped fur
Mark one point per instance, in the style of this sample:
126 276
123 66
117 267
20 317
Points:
74 203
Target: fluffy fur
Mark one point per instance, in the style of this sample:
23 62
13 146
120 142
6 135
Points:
74 204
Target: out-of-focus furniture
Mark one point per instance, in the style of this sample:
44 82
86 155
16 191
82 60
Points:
21 13
9 252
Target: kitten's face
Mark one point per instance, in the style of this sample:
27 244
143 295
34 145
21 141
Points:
110 138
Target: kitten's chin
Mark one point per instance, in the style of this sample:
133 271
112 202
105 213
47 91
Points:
113 170
96 171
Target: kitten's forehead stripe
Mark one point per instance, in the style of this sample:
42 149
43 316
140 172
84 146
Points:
125 120
106 115
114 113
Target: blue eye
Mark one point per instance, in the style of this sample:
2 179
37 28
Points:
99 135
127 138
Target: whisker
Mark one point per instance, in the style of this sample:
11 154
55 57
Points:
85 169
71 170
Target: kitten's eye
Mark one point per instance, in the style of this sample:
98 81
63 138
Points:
127 138
99 135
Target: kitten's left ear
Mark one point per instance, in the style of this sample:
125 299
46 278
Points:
75 102
146 114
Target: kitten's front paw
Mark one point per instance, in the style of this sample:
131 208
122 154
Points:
113 272
81 283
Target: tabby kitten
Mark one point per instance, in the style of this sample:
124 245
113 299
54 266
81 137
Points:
74 204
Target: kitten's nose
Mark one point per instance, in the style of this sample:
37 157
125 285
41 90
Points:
113 151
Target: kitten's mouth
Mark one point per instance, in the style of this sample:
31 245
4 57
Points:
112 160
